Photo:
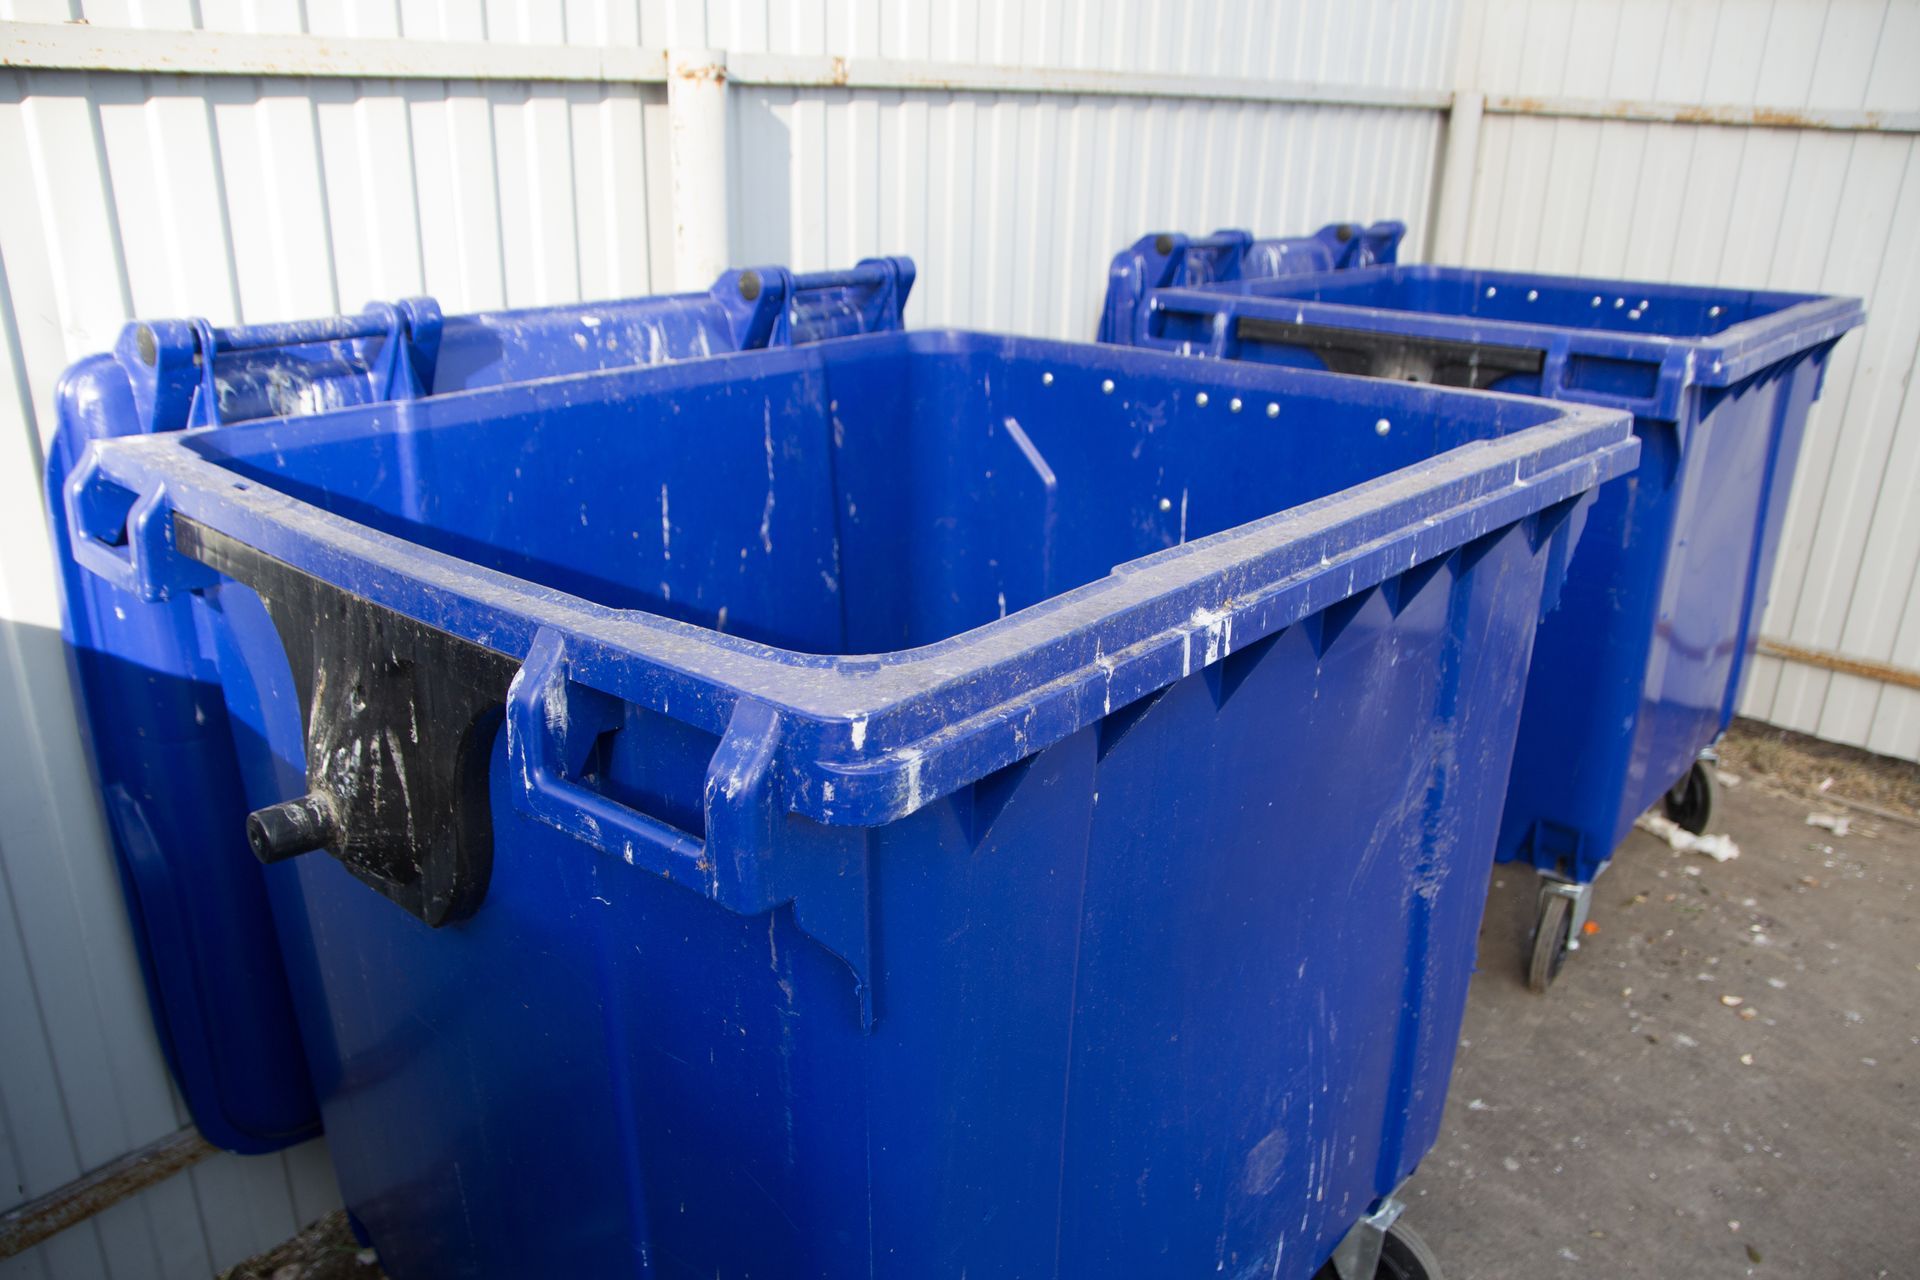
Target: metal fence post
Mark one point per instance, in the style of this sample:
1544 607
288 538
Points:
698 158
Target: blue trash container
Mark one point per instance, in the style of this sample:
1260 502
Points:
149 691
1169 260
1638 673
765 834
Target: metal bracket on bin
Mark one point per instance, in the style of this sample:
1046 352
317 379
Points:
400 720
1580 895
1169 260
185 373
1357 1257
774 307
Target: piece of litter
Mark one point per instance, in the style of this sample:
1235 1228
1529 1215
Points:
1512 1165
1727 779
1589 928
1753 1255
1746 1059
366 1257
1825 785
1733 1224
1749 1013
1776 984
1478 1105
1838 823
1720 848
1568 1255
1732 1002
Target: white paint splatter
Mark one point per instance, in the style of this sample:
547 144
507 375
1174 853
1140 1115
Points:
1218 628
766 513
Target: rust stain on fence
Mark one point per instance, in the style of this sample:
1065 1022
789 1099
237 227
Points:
1885 673
27 1225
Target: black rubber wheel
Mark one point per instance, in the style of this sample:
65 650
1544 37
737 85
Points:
1690 803
1551 930
1403 1256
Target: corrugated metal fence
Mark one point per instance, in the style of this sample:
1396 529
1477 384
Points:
515 153
1780 205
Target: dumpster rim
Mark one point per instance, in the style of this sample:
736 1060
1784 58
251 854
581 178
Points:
1801 322
875 723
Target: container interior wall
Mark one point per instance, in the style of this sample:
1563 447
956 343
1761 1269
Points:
887 494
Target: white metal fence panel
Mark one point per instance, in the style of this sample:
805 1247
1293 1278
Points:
1777 206
240 199
1013 204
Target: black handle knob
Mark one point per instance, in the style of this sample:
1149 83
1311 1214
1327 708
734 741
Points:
293 827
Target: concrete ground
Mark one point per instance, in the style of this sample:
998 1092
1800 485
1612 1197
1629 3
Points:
1723 1082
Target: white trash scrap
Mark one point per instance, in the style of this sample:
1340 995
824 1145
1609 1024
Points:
1837 823
1720 848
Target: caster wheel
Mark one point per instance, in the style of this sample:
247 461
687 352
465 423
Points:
1690 804
1403 1256
1551 931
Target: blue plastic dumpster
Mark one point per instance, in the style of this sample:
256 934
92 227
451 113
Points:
1638 673
1169 260
765 834
157 726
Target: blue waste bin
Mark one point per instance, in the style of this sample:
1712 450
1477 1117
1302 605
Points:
1638 673
733 817
149 690
1169 260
